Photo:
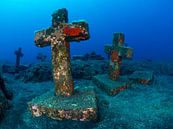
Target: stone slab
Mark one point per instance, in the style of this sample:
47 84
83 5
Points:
111 87
143 77
82 106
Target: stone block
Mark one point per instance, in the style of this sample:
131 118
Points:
111 87
81 106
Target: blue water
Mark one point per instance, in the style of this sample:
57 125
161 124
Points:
147 25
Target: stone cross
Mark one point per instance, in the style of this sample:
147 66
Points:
117 52
58 37
18 54
41 57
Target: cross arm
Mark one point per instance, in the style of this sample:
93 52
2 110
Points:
107 49
126 52
20 54
43 37
76 31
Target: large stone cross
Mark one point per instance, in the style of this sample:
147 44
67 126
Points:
117 52
64 105
58 37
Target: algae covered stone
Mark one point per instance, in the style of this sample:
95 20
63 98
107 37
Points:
64 103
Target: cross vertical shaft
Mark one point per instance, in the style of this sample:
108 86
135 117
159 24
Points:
62 69
18 54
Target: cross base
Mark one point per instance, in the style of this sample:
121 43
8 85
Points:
81 106
111 87
143 77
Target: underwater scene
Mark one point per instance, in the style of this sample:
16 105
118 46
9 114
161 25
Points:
86 64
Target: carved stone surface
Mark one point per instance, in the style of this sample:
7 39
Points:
64 104
113 83
58 37
117 52
81 106
111 87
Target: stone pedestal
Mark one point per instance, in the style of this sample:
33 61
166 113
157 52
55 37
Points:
81 106
111 87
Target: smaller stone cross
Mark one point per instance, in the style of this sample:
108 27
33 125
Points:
41 57
18 54
117 52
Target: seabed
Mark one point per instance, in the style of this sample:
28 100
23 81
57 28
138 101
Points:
138 107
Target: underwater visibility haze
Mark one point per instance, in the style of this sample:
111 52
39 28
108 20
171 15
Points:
86 64
146 24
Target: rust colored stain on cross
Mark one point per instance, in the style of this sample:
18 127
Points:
58 37
117 52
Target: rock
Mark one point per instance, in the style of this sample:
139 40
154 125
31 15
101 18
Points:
143 77
8 69
80 70
3 105
166 68
128 67
36 73
4 96
13 69
22 68
88 69
88 56
7 93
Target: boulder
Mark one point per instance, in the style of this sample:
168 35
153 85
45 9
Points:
3 104
5 95
13 69
80 70
36 73
88 56
164 68
88 69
